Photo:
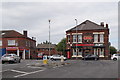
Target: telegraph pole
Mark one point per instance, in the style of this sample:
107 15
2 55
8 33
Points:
76 38
49 38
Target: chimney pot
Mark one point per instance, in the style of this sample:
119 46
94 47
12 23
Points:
106 25
102 24
25 33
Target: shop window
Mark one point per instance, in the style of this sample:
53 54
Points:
74 38
80 38
11 42
95 37
80 51
0 42
68 38
102 51
74 52
101 38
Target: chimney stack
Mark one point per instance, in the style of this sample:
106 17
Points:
25 33
102 24
106 25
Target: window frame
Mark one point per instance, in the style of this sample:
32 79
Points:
11 44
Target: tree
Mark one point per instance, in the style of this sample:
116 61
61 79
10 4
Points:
61 46
113 50
46 42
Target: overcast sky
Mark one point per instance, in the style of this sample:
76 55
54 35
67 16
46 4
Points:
34 16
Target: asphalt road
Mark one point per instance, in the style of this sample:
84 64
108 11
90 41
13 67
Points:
76 69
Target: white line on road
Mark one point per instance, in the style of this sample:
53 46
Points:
19 71
28 73
4 70
34 67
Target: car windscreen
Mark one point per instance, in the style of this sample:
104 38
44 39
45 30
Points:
7 55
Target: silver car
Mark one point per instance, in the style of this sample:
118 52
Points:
10 58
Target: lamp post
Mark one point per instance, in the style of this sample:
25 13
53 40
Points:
49 39
76 39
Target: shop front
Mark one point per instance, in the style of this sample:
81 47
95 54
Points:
22 52
80 50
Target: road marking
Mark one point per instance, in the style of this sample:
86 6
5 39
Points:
19 71
55 67
29 73
34 67
4 70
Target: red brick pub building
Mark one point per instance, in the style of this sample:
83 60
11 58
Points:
12 41
88 38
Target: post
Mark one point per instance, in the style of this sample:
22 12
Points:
76 40
24 54
18 52
29 53
49 40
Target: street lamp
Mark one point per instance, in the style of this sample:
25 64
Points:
49 38
76 39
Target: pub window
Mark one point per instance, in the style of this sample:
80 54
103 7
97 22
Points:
101 38
68 38
0 42
74 52
11 42
74 38
80 51
102 51
80 38
95 37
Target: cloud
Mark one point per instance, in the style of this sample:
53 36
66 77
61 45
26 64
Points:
34 16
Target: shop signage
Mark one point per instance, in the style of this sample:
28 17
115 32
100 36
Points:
11 48
87 37
98 44
84 45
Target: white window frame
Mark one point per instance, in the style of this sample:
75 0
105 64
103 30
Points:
68 38
74 38
101 37
79 38
79 52
74 52
0 42
102 51
95 37
11 42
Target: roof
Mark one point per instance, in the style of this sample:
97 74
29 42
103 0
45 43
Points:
87 25
12 34
46 45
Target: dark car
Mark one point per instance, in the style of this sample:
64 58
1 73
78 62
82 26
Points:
90 57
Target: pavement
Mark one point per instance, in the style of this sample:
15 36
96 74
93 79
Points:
56 69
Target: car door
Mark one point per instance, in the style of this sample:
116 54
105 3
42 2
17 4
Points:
118 56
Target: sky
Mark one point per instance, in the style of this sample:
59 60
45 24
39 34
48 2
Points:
34 16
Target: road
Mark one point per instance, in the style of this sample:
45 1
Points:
76 69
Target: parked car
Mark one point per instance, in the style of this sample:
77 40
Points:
90 57
10 58
115 57
57 57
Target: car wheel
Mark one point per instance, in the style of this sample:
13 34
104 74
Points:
114 59
19 61
52 59
3 62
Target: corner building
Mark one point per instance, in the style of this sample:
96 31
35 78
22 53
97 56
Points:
88 38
